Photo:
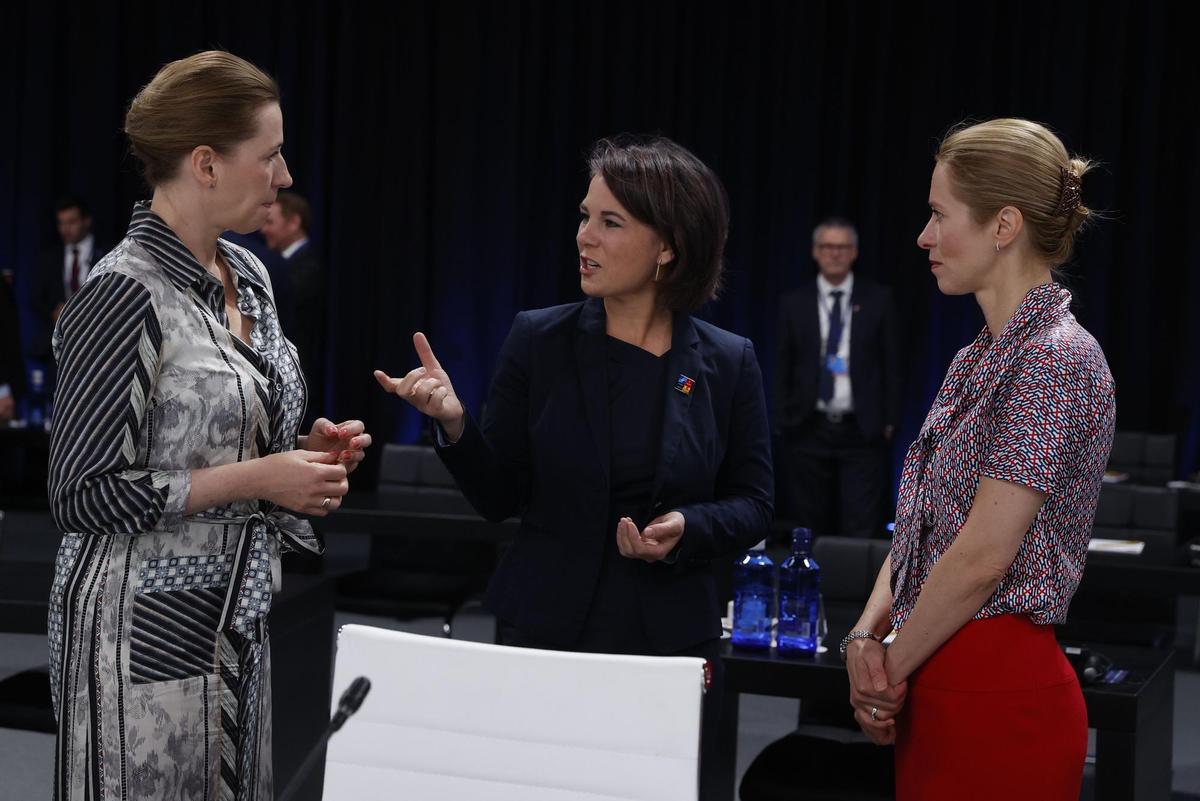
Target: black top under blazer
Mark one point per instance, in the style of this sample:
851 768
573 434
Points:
875 360
542 452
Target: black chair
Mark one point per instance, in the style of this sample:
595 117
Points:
25 701
1129 617
25 696
1132 512
409 574
849 566
1146 458
827 757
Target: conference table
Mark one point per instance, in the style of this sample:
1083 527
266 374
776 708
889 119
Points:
382 514
1133 719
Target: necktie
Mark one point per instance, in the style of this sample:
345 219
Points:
832 344
73 284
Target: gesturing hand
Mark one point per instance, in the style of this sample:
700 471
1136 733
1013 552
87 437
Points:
869 690
428 389
654 542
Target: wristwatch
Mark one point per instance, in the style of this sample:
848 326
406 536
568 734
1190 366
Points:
857 634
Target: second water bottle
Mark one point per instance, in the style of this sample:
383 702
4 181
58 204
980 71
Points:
799 598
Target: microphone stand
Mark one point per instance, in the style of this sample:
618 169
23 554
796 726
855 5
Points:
348 704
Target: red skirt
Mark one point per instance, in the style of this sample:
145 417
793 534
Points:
995 713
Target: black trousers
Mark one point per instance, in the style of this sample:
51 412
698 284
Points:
837 479
710 711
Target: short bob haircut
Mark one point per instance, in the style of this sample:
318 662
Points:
666 187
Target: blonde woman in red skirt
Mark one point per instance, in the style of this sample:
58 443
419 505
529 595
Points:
997 496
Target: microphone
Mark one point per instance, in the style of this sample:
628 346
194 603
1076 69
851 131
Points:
350 701
348 704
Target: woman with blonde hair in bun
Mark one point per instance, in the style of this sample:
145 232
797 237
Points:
175 465
998 494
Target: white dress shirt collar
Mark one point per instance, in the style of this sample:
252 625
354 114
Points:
825 288
291 249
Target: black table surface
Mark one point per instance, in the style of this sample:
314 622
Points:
768 673
1156 574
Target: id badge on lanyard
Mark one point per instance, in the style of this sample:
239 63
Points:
837 364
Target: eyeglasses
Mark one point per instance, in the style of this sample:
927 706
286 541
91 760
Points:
828 248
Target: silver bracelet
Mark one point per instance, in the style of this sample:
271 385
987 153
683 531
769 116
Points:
857 634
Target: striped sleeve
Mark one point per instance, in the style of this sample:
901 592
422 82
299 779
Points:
107 345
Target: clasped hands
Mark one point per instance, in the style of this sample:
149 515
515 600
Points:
870 688
312 479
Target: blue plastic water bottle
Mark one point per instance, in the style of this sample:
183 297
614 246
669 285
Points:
799 597
753 599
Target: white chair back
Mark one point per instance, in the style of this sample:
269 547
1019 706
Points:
447 720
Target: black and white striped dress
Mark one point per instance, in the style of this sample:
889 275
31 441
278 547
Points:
159 655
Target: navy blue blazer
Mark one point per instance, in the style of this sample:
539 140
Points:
542 452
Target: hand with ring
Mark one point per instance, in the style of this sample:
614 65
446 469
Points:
875 702
428 389
304 481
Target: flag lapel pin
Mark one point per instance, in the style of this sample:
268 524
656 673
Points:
684 384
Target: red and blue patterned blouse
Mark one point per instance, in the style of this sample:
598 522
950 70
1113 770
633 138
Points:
1034 407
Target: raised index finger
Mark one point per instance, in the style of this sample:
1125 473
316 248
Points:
428 360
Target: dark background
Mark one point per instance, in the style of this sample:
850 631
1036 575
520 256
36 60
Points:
442 145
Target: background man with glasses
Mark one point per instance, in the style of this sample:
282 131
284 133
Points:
837 392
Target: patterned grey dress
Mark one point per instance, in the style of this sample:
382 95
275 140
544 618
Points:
159 655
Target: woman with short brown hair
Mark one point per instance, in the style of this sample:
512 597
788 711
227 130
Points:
175 464
630 437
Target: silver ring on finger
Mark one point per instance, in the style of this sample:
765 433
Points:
325 503
874 714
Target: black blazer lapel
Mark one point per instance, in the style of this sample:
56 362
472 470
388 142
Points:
591 358
683 361
810 323
859 308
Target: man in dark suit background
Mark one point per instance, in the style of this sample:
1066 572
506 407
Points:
63 270
837 390
302 303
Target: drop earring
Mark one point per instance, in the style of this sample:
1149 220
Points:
997 245
657 270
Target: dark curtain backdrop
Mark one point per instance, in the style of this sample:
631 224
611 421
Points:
442 144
